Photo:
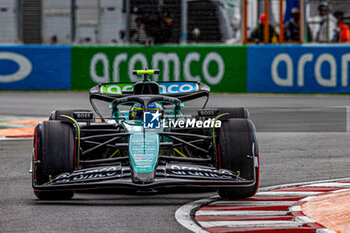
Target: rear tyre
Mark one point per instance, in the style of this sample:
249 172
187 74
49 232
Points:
54 153
57 115
234 113
238 152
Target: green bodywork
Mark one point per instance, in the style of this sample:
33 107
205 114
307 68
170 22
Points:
143 151
144 144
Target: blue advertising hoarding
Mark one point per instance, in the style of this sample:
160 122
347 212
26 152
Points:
298 69
35 67
270 68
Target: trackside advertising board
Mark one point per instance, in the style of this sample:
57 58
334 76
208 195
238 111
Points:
223 68
298 69
35 67
231 69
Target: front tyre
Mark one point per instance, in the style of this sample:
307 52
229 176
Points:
54 153
234 113
238 152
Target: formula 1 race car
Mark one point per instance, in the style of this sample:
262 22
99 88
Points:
149 145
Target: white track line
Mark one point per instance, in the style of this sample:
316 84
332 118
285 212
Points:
15 139
254 203
304 219
295 208
306 199
287 194
324 230
241 212
11 118
250 224
331 185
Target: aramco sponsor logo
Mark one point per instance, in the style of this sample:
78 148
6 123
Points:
23 70
166 59
294 73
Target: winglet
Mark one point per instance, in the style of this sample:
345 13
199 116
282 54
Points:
145 72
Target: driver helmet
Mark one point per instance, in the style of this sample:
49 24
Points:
136 111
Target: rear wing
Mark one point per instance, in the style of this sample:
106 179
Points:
181 90
178 89
184 91
165 88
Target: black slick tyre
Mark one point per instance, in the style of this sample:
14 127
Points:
234 113
54 153
238 152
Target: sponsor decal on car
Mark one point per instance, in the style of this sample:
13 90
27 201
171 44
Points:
188 170
83 115
143 151
208 112
144 157
106 172
164 88
177 87
116 89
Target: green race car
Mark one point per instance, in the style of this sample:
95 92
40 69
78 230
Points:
147 142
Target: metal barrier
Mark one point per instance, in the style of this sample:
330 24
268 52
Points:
112 22
9 27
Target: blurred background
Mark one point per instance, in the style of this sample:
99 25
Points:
152 22
234 46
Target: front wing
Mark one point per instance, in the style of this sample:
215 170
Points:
170 175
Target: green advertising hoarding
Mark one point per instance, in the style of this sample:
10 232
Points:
223 68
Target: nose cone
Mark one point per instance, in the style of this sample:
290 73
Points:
143 178
143 155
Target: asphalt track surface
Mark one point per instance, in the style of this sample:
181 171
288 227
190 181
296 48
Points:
301 138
